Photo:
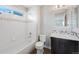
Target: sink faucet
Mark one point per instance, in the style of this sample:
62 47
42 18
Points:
72 33
75 34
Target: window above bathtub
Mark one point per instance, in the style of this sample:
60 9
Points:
4 9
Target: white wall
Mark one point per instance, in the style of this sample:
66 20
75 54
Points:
45 24
12 35
34 16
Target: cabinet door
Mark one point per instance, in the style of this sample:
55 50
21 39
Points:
58 46
63 46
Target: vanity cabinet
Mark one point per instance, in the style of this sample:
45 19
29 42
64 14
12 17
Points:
63 46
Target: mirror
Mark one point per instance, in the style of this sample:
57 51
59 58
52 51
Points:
72 20
59 19
69 18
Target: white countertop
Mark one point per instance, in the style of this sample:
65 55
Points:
64 36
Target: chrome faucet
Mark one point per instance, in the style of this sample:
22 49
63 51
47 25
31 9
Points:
75 34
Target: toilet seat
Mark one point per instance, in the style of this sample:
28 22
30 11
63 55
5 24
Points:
39 45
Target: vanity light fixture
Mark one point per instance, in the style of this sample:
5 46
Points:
59 6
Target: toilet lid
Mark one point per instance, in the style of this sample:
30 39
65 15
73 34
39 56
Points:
39 45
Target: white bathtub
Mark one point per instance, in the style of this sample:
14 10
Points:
14 38
27 48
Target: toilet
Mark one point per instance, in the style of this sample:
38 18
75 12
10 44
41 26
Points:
40 44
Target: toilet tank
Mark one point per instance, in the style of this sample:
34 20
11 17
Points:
42 38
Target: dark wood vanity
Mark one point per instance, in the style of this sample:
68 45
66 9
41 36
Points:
64 46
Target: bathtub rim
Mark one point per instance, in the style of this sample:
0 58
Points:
30 44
